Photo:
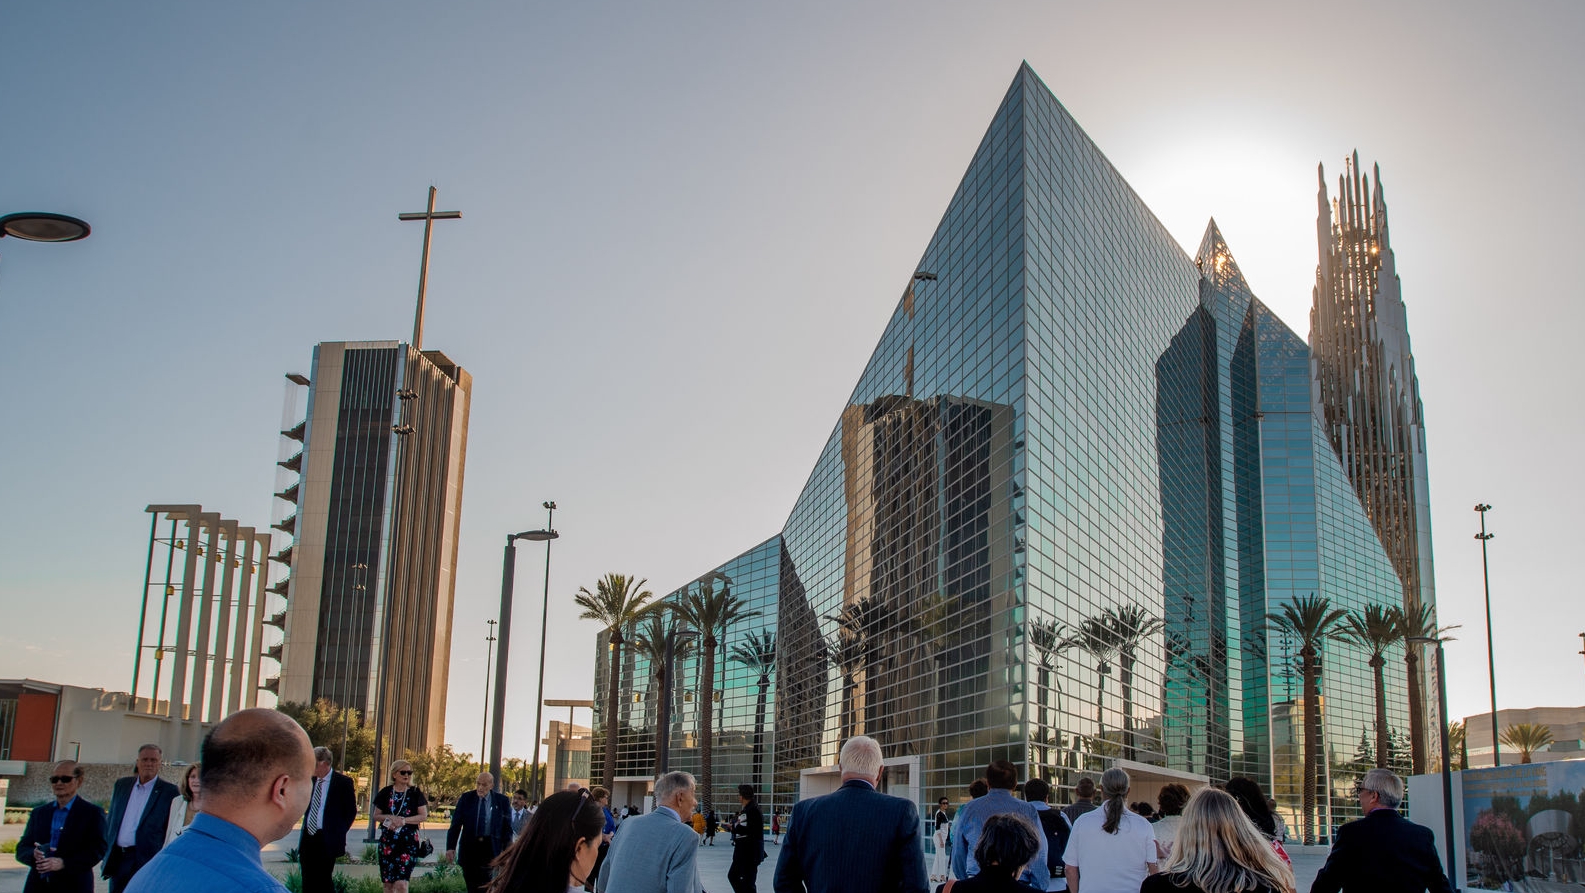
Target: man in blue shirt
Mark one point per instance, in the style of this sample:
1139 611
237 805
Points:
257 776
65 839
1002 777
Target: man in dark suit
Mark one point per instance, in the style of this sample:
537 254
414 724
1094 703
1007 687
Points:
856 839
65 839
140 808
332 808
748 843
1383 850
482 823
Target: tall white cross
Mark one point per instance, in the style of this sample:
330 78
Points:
429 216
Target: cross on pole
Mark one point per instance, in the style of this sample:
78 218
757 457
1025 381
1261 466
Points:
429 216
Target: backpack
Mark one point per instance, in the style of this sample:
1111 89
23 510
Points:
1058 830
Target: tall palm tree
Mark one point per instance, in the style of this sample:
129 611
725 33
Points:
757 652
1050 644
1376 629
650 642
710 611
1312 621
1130 625
1417 623
1527 738
617 602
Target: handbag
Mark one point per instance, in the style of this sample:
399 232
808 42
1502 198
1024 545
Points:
426 847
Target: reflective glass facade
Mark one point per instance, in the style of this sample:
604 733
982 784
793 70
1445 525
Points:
1079 471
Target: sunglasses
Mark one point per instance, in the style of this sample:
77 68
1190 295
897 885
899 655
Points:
62 779
404 772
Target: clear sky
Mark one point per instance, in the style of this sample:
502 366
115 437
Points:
685 225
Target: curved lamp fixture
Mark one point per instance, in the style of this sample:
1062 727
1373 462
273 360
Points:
41 226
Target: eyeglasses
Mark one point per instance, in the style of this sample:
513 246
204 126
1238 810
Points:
62 779
583 797
404 772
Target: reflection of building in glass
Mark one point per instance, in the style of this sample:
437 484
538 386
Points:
1079 472
566 757
375 522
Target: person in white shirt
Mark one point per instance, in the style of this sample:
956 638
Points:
1112 849
185 807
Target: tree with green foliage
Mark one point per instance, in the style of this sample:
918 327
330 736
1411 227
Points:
326 724
710 611
649 642
1527 738
1376 629
1417 623
1313 622
442 773
617 602
757 652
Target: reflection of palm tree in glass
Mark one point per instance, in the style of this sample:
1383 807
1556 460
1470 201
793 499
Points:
937 637
650 643
847 654
710 611
1312 621
1095 636
1376 629
1199 670
1130 625
757 652
860 651
1050 643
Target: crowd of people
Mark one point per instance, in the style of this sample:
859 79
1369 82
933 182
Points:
259 777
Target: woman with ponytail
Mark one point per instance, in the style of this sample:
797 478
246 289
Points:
1113 849
556 851
1218 849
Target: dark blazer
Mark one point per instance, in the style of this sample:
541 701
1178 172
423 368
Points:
748 836
82 845
855 840
341 810
1382 851
465 824
151 826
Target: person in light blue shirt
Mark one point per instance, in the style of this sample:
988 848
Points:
1002 777
257 776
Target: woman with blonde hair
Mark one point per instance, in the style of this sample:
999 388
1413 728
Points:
400 808
183 808
1219 850
1112 849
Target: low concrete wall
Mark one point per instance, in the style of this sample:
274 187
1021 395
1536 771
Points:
99 780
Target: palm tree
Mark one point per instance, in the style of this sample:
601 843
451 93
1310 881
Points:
1456 739
859 646
847 654
1098 637
1417 623
1312 621
618 601
1376 629
1527 738
1130 625
650 643
710 611
1046 636
757 652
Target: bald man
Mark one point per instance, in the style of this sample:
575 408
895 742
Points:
482 823
257 776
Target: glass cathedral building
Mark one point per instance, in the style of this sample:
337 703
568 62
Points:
1079 473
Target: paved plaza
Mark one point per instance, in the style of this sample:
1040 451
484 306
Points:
713 861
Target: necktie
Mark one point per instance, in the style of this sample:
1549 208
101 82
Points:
311 825
484 827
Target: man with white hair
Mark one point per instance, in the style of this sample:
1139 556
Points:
855 840
1383 850
656 853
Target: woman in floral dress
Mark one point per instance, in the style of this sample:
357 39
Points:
400 809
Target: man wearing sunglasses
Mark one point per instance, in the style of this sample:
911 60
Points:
65 839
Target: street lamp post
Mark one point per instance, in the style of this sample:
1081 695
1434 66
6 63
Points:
43 226
539 697
1491 657
663 748
1447 762
498 725
484 725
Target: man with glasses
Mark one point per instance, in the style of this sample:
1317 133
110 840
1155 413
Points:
64 839
656 853
1383 850
140 809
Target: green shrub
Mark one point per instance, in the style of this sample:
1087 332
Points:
371 854
293 856
293 881
8 846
